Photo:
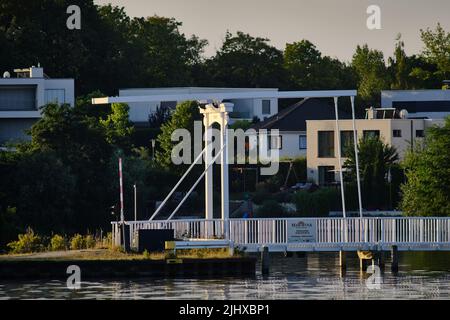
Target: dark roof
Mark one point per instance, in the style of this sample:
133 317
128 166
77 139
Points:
293 118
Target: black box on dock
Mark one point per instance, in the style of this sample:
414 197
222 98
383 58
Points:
152 240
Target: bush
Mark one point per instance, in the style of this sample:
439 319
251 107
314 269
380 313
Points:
27 243
77 242
89 242
318 203
270 209
58 243
260 197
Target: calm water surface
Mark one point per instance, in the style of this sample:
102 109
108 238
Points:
315 276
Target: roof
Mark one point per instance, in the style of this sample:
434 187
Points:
293 118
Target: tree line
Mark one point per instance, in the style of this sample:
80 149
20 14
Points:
113 50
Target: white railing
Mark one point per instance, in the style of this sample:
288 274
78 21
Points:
402 230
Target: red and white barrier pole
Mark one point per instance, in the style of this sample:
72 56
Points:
122 218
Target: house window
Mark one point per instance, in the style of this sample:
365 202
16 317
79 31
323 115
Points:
266 107
371 134
347 142
326 144
326 175
397 133
171 105
420 134
302 141
55 96
17 98
275 142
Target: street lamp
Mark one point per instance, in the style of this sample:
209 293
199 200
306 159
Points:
153 148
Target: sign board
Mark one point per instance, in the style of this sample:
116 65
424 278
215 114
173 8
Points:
301 231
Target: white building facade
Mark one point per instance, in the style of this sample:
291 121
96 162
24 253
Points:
22 96
244 109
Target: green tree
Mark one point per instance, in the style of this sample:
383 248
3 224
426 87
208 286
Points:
182 118
307 69
437 49
375 161
427 188
371 73
118 127
246 61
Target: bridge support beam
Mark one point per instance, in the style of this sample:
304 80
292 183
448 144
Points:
394 257
265 260
342 260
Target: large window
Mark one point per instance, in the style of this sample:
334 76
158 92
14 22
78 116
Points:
326 144
326 175
302 141
371 134
17 98
347 142
266 107
55 96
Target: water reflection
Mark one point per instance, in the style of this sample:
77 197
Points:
314 276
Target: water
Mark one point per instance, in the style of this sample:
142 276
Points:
421 276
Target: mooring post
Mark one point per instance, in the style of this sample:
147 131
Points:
394 257
380 259
342 260
265 260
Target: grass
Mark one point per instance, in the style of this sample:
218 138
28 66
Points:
115 254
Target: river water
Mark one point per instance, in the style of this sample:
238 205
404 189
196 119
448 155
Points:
314 276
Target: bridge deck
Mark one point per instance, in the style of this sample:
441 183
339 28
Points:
312 234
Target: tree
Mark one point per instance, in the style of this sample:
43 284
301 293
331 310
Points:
437 49
182 118
307 69
118 127
427 188
375 161
371 73
246 61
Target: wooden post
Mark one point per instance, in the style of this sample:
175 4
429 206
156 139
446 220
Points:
265 260
380 259
342 260
394 256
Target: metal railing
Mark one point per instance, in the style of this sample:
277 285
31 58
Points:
384 230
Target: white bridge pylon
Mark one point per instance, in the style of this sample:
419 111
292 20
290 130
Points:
219 113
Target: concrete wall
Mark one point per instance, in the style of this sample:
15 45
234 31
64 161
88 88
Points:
408 129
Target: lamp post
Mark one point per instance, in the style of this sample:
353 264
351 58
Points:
135 201
153 148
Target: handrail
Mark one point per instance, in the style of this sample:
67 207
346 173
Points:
176 186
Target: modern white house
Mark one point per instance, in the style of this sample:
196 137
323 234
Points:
431 104
22 96
393 127
291 124
244 108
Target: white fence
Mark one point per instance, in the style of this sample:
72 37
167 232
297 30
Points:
413 233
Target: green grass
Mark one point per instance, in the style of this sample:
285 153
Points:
116 254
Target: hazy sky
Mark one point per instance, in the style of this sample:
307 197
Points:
334 26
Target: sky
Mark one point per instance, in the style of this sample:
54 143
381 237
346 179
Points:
336 27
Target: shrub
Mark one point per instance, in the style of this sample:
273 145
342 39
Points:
270 209
89 242
58 243
77 242
260 197
27 243
318 203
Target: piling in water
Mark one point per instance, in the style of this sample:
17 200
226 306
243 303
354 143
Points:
394 257
265 260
